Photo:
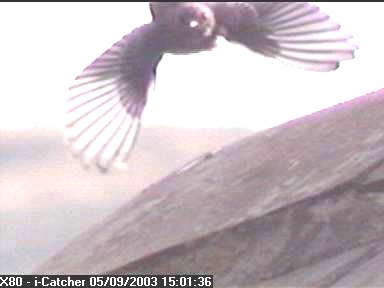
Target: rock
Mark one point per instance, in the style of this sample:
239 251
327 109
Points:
301 204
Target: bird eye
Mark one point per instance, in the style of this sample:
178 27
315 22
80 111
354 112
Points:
193 24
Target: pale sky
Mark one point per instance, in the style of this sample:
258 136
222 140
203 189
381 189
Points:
45 45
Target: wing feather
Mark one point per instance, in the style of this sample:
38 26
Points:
106 100
297 33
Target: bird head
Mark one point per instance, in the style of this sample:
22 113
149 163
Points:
185 27
196 19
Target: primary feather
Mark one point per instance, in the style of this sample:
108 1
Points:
107 99
294 32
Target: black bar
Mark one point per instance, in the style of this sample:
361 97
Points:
69 281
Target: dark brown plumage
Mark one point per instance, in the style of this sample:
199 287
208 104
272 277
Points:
108 97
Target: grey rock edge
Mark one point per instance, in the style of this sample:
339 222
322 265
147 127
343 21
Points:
298 205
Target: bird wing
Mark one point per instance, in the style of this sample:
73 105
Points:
107 99
297 33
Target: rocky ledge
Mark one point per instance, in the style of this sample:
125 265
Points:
301 204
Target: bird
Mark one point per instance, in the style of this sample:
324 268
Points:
106 100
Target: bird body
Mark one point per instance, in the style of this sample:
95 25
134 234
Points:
107 99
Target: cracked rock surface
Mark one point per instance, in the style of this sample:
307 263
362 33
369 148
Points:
301 204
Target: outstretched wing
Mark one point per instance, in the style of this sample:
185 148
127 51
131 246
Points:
107 99
297 33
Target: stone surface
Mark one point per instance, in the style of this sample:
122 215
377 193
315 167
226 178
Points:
47 197
301 204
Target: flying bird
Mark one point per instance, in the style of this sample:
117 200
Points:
107 99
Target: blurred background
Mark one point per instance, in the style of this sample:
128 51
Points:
201 102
